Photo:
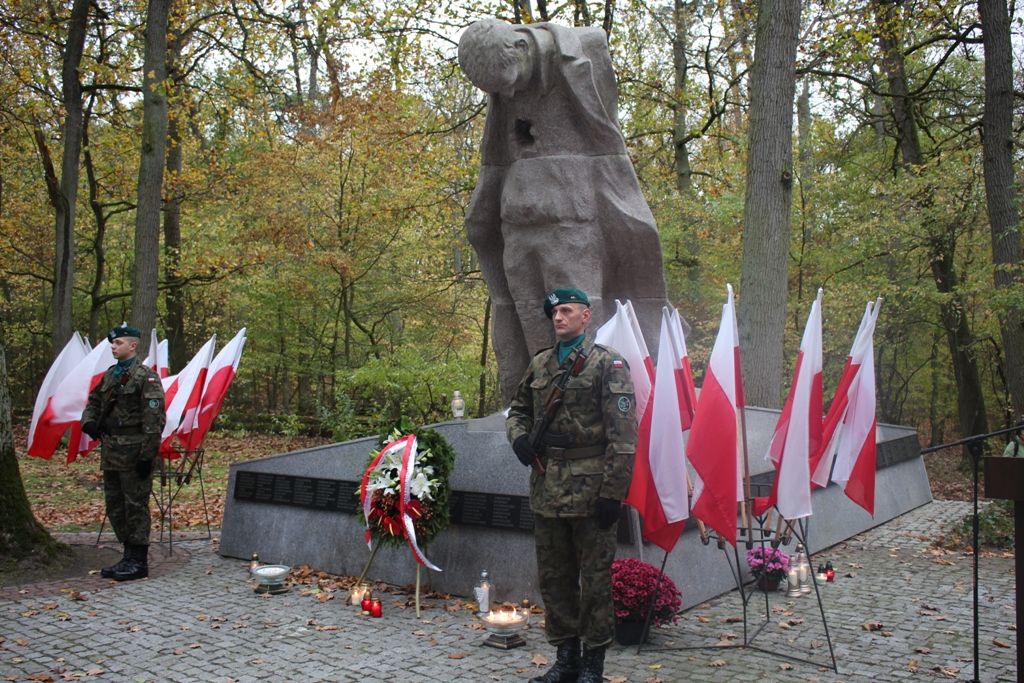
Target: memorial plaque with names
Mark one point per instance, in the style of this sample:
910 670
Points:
470 508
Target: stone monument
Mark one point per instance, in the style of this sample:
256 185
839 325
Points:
557 202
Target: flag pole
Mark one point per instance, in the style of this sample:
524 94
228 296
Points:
746 479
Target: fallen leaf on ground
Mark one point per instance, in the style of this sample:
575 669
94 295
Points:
716 663
539 660
872 626
1000 643
457 655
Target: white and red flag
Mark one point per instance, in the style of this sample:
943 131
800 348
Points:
43 438
182 395
849 431
684 375
156 358
661 485
72 395
797 436
622 333
712 447
218 378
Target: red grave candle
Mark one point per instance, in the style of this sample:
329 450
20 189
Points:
376 609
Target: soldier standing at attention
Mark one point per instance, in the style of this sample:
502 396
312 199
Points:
582 464
126 411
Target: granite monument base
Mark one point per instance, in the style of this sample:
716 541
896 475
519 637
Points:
299 508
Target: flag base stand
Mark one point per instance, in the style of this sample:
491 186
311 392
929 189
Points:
172 474
747 592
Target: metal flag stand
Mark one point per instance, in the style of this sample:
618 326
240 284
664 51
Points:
186 467
764 531
976 449
172 474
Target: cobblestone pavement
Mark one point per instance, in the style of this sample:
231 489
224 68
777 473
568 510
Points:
898 611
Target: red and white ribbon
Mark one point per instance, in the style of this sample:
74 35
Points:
406 444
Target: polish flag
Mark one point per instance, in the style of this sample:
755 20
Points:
852 417
42 438
684 375
219 377
797 436
182 395
712 446
156 359
72 395
622 333
661 487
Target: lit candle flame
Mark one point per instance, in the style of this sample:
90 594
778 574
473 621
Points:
504 616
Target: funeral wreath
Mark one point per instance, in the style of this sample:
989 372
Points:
427 486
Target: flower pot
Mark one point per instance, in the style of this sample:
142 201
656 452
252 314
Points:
629 632
768 584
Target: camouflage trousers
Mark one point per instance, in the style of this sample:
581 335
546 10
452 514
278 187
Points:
574 566
127 499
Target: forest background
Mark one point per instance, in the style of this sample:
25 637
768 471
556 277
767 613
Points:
310 173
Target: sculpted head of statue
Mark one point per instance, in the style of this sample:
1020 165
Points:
495 57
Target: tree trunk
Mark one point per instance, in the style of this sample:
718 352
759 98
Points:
805 172
174 295
151 171
766 210
1003 216
99 251
64 206
681 19
21 536
941 241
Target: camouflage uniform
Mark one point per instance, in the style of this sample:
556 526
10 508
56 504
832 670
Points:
129 408
595 433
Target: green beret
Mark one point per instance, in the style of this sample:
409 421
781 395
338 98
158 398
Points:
123 330
565 295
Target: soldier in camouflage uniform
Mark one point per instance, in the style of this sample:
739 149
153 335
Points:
126 411
586 454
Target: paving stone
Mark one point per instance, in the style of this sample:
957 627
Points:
198 620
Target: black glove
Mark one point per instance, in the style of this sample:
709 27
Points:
607 513
143 468
523 450
92 428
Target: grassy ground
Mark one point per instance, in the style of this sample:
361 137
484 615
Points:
70 497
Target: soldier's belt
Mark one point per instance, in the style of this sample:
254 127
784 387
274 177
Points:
131 430
574 453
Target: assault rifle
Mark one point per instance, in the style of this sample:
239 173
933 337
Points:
571 367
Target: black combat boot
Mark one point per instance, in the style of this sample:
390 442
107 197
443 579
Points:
592 669
108 572
567 664
137 564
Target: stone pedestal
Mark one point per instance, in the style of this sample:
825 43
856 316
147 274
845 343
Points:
332 540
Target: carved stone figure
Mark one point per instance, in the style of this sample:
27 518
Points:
557 202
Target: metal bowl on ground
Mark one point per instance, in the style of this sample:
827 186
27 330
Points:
506 622
271 574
